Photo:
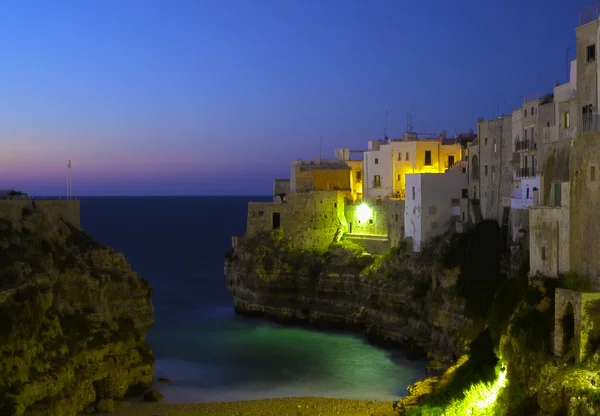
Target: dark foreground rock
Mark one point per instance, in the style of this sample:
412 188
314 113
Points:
73 321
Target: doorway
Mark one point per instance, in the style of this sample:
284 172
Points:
450 161
276 220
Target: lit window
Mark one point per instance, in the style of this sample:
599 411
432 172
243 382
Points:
494 145
567 120
377 181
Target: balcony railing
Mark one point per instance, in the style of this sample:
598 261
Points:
589 13
527 172
525 145
589 122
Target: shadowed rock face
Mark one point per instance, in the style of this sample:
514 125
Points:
73 320
403 299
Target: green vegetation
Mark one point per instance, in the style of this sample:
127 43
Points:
572 281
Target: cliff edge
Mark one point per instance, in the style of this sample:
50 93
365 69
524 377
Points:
73 320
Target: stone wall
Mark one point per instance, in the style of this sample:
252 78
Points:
50 209
585 308
519 220
311 219
395 221
584 200
377 224
549 240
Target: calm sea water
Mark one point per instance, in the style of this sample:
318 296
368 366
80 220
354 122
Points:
210 354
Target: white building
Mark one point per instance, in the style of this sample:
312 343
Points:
432 202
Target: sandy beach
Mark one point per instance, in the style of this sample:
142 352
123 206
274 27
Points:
301 406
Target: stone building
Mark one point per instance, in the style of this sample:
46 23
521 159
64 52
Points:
432 204
386 164
490 171
320 175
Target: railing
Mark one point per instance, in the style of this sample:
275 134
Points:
527 172
589 13
589 122
525 145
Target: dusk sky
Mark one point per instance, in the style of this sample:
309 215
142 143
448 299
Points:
218 97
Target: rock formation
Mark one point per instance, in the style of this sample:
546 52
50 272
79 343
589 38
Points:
73 320
400 298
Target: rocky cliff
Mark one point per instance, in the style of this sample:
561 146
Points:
73 320
402 298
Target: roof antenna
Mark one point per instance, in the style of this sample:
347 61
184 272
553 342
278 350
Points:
385 136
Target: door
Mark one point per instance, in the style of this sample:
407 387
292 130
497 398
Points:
276 220
450 161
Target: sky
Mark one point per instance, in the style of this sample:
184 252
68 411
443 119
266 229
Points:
195 97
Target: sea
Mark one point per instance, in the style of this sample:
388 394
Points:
210 354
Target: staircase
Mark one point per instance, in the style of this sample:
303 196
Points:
374 244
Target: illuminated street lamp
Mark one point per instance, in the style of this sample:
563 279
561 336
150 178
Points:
363 212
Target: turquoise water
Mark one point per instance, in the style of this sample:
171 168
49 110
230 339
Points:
210 354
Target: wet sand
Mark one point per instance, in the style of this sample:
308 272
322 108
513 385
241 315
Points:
297 406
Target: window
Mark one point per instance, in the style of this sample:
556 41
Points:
532 134
485 168
413 193
591 53
377 181
396 216
428 157
566 120
398 178
525 113
532 111
593 173
465 193
543 253
524 135
455 202
485 141
358 175
494 145
377 161
406 156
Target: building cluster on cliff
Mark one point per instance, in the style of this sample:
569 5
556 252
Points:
526 170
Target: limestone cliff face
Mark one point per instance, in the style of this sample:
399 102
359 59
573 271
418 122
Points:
73 320
400 298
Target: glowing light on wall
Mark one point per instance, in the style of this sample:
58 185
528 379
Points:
363 212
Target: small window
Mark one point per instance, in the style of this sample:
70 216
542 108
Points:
525 113
398 178
593 173
591 53
377 161
525 134
455 202
532 111
566 120
377 182
413 193
396 216
428 157
543 253
494 145
358 175
485 168
399 155
406 157
486 141
465 193
335 204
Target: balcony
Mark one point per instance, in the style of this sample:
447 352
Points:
588 123
527 172
525 145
